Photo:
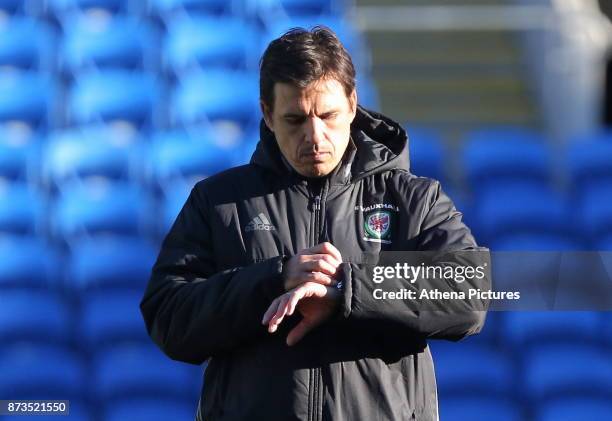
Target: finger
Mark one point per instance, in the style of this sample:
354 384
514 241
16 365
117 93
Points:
329 248
326 248
270 311
309 289
298 332
318 278
321 256
319 265
279 315
332 260
295 299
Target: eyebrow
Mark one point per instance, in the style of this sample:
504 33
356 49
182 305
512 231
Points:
292 114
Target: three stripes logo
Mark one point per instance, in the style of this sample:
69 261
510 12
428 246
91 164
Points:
259 223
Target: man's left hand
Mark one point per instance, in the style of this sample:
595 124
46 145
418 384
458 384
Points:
315 302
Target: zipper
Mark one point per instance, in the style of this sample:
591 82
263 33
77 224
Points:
316 211
317 236
318 406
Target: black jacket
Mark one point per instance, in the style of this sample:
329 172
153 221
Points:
220 267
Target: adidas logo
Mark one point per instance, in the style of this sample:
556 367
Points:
259 223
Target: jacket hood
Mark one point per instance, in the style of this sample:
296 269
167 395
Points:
378 144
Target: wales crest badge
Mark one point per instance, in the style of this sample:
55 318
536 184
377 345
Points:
378 226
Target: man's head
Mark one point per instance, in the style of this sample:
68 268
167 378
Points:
308 98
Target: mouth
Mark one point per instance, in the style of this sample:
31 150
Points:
317 156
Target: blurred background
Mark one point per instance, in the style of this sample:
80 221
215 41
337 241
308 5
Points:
110 111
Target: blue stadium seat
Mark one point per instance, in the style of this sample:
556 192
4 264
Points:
100 207
426 152
168 9
535 242
605 243
595 212
309 7
571 369
41 372
161 409
472 369
242 154
552 280
91 41
26 97
203 97
94 152
21 209
174 197
284 9
18 153
189 155
34 315
27 262
67 7
111 262
522 328
100 328
476 408
142 371
570 409
26 43
607 329
519 209
507 154
113 95
588 159
11 7
209 42
78 412
180 159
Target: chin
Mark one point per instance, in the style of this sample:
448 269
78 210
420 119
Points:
316 171
321 172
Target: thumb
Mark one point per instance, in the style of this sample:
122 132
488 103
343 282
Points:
298 332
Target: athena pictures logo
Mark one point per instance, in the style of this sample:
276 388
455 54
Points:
378 226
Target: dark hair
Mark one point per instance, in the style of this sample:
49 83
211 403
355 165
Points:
300 57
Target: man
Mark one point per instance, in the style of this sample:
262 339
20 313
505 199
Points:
261 273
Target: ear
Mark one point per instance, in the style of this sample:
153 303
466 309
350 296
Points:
353 103
267 114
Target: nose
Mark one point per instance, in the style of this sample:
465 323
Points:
315 131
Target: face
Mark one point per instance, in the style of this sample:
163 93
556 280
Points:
312 124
